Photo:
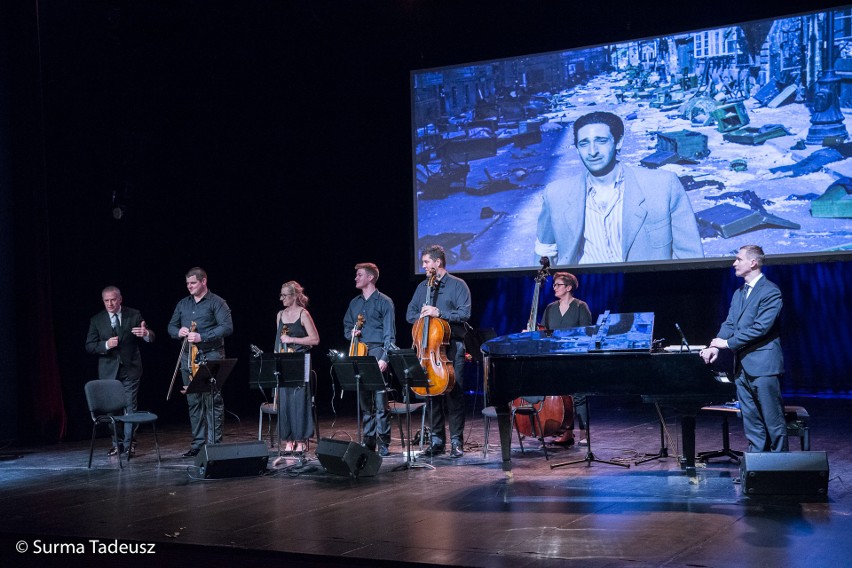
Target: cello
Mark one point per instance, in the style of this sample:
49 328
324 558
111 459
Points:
431 336
556 413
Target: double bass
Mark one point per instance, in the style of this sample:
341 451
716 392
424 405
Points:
556 413
431 336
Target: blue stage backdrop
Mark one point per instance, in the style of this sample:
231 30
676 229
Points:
816 335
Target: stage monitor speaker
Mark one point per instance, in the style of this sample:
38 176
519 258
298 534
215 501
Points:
232 460
341 457
785 473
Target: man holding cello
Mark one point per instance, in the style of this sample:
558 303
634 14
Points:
370 327
442 297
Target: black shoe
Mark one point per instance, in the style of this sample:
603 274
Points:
433 451
115 450
383 451
131 451
192 452
456 450
370 443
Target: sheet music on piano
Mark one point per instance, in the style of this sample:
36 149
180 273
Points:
632 332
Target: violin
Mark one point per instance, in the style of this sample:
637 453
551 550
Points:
556 413
286 347
431 336
192 364
357 348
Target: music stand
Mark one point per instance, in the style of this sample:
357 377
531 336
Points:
406 366
356 373
281 370
209 379
590 457
664 436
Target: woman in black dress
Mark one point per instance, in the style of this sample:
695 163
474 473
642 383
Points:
296 333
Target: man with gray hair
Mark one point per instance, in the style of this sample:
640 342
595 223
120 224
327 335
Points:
114 336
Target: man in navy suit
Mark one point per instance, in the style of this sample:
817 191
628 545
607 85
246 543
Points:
752 332
611 212
114 336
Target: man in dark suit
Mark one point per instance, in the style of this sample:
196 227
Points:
751 331
114 336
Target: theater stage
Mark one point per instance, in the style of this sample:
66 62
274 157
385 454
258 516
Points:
465 512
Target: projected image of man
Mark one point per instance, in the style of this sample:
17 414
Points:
611 212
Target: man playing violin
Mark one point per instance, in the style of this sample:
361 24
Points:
451 302
375 331
212 317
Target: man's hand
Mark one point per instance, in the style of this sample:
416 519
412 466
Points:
141 331
430 311
710 354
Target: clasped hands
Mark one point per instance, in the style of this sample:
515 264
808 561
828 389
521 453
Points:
711 353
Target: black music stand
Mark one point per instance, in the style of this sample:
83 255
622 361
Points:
590 457
356 373
664 436
282 370
209 379
406 366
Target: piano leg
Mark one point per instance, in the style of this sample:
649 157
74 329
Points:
504 425
688 433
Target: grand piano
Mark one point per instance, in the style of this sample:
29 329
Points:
613 357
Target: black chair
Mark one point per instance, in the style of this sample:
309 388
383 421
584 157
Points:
400 409
270 409
529 407
107 404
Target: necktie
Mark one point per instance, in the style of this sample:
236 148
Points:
114 318
747 291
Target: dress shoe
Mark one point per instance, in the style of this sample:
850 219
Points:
192 452
383 451
115 450
456 450
566 439
433 451
131 451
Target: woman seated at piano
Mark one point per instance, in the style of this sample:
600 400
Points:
567 312
296 334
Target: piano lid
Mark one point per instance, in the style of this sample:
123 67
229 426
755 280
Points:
612 332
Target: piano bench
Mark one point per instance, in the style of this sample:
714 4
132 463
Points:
725 411
796 417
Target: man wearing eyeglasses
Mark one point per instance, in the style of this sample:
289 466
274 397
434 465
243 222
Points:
612 212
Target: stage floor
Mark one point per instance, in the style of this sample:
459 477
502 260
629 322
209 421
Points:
465 512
